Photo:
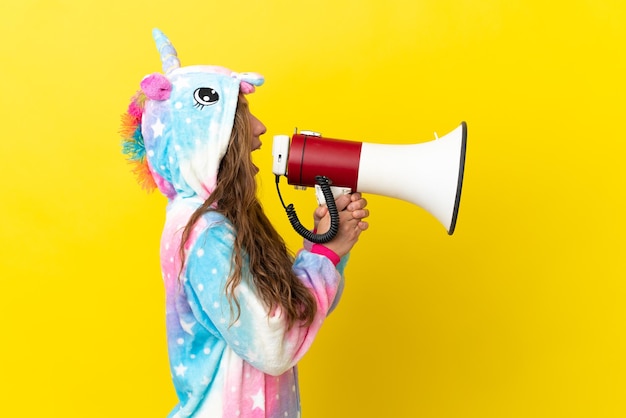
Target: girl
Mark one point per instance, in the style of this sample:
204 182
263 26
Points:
241 311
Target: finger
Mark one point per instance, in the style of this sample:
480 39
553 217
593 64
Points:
342 201
357 204
321 211
360 214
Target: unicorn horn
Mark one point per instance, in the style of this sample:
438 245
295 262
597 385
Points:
169 58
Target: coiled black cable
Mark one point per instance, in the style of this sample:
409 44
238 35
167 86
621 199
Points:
324 183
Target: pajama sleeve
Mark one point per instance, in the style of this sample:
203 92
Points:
261 338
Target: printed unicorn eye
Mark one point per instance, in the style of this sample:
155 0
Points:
205 96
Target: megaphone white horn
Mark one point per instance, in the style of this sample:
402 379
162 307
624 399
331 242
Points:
428 174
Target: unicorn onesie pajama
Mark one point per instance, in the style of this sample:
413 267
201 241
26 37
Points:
177 129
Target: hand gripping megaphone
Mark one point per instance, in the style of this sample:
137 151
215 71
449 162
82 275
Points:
428 174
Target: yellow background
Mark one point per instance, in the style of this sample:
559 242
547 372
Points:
519 314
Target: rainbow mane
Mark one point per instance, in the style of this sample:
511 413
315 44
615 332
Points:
132 142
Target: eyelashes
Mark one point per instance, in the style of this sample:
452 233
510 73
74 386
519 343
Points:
205 96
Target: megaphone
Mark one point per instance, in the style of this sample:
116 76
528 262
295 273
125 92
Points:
428 174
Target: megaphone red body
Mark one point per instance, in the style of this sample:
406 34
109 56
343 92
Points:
428 174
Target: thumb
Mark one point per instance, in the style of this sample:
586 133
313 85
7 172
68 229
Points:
320 212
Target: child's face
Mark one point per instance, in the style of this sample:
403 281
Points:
257 129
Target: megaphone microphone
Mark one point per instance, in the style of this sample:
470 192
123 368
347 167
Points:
428 174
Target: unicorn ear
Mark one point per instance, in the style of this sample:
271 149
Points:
248 81
156 86
251 78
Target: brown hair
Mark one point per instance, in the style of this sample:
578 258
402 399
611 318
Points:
268 257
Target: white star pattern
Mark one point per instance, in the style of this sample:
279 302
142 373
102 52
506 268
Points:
180 370
157 128
186 326
259 400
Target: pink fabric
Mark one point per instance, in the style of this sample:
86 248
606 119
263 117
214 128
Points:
246 88
156 86
327 252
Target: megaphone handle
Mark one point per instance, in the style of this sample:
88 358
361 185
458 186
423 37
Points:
337 191
324 184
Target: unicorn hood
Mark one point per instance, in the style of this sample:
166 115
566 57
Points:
179 124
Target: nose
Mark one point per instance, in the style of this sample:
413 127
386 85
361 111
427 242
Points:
258 128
